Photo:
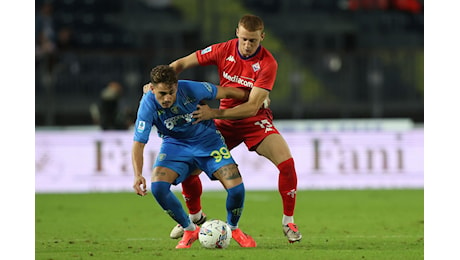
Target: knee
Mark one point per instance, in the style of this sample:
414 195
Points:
287 167
160 189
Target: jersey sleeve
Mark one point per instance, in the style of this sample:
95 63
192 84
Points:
210 55
200 90
144 120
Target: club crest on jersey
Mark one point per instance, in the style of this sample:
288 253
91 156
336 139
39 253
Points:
206 50
231 58
256 66
175 110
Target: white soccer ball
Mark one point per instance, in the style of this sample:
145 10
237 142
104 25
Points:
215 233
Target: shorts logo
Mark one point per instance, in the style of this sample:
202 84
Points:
141 126
256 66
161 156
206 50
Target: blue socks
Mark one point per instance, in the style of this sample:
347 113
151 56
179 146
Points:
235 204
168 201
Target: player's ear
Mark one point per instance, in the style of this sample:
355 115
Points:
236 32
262 36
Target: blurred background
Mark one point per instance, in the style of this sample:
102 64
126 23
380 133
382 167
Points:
338 59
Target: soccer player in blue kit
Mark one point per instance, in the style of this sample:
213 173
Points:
185 147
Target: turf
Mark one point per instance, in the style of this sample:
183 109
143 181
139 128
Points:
339 224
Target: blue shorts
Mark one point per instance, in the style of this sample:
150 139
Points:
184 156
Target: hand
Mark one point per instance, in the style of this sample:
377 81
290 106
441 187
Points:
140 186
147 87
202 112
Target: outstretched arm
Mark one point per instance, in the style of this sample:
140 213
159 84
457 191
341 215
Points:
231 92
184 63
179 65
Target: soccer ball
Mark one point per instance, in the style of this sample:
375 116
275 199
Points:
215 233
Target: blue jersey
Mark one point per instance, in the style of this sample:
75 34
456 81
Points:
185 146
175 121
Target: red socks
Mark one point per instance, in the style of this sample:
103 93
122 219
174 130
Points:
287 186
191 191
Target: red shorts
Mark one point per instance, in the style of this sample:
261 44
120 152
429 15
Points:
250 130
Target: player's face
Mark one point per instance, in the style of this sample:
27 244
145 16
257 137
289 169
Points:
248 42
165 94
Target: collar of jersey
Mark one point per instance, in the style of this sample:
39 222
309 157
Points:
247 58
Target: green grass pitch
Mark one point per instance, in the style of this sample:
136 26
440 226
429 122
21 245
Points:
336 224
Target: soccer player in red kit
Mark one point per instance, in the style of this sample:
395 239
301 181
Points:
244 63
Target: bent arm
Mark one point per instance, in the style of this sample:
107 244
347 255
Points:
244 110
178 65
184 63
231 92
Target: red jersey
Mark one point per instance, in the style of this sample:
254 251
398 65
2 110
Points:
258 70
